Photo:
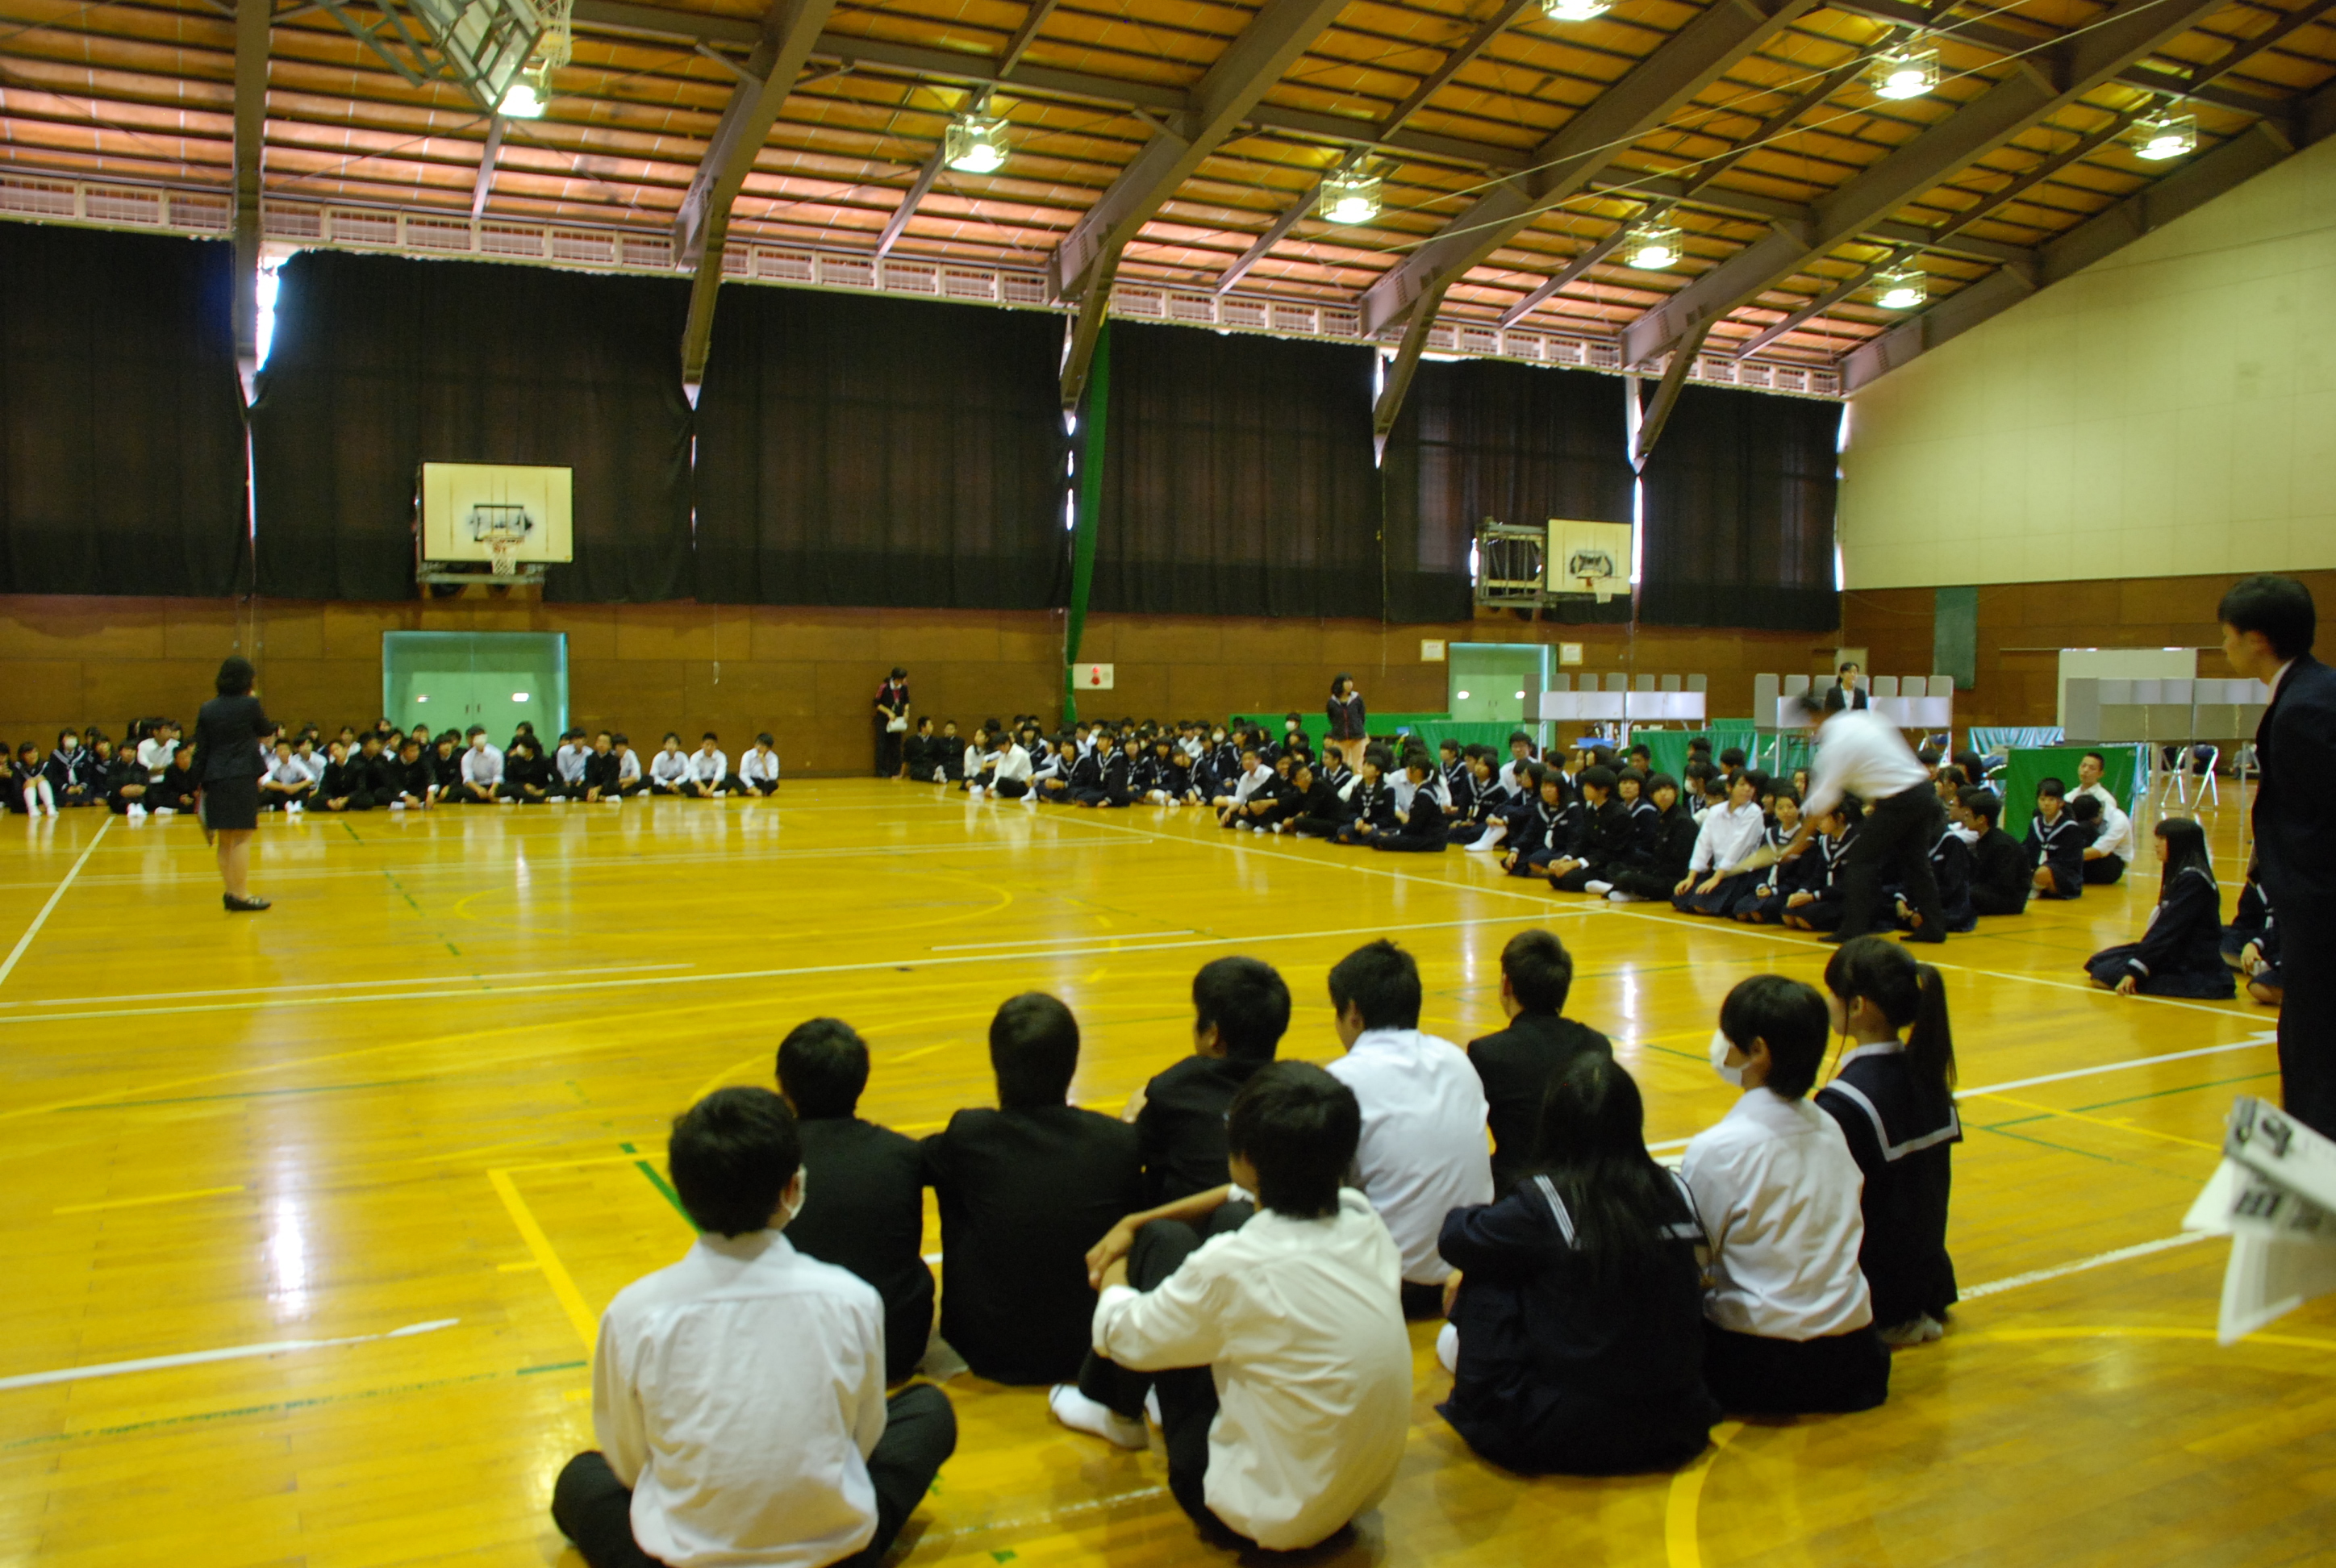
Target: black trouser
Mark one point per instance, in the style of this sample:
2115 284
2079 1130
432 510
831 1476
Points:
888 750
1011 789
2103 871
1188 1395
1753 1375
2307 1016
1895 838
594 1509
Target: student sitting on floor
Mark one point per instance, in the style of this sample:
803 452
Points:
1895 1102
68 771
1024 1190
1662 845
2108 855
1518 1063
758 770
1277 1348
1713 886
1576 1339
738 1394
2056 844
127 785
1951 872
669 768
483 771
181 782
1520 757
445 759
527 777
2259 961
2000 874
1010 774
2180 953
629 778
1315 808
1419 826
39 794
1424 1113
1241 1010
1106 768
710 777
1600 839
1814 902
407 784
1480 817
285 786
868 1214
920 753
568 766
1370 806
1789 1321
1255 774
367 774
1535 824
602 768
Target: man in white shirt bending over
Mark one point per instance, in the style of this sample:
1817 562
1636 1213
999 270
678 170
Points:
1789 1320
2108 855
738 1394
1862 753
1284 1372
1424 1152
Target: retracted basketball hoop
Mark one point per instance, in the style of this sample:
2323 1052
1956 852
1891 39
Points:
493 523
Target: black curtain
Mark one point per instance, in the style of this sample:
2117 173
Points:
1238 477
381 364
1739 514
881 451
121 424
1483 438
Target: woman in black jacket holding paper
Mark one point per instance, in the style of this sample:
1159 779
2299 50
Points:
227 733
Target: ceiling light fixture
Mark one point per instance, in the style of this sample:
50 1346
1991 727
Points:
1575 10
1351 195
526 98
975 144
1902 287
2164 135
1904 72
1653 245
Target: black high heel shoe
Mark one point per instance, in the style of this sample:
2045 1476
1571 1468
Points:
242 906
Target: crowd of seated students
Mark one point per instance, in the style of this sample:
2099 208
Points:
154 773
1232 1259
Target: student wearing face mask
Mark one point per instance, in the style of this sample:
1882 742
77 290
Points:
1788 1317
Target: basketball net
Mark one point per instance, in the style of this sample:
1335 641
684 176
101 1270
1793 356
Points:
503 552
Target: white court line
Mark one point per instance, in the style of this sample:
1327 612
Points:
39 920
2252 1042
356 984
259 1004
199 1358
1042 941
2061 1270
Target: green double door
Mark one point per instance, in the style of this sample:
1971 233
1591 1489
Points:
491 678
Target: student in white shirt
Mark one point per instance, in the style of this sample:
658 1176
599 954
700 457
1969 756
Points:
628 767
284 784
1789 1320
758 770
2106 856
738 1394
1009 768
1424 1149
1712 885
669 769
710 777
568 767
483 771
155 751
1284 1372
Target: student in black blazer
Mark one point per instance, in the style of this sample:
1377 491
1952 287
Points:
1025 1191
2268 626
863 1206
1519 1064
1349 719
227 733
1241 1010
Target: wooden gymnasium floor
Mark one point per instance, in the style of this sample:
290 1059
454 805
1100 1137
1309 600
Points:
428 1092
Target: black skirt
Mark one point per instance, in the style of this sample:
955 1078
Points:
230 804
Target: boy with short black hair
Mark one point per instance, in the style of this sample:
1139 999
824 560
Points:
1419 823
407 781
1601 841
629 778
482 770
1517 1064
710 777
2000 870
669 768
1024 1190
568 767
182 781
1277 1349
601 769
738 1394
527 777
758 770
285 784
869 1215
1241 1010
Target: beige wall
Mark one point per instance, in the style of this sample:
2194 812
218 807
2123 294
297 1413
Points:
2171 409
807 674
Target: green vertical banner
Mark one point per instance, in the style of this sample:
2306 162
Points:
1093 423
1954 635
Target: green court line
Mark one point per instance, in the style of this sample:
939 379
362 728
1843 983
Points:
2189 1089
252 1095
2064 1149
661 1184
553 1367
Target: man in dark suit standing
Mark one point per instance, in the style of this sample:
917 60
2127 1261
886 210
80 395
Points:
1845 692
2268 626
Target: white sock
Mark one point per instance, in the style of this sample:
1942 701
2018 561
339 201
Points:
1447 1346
1598 889
1081 1413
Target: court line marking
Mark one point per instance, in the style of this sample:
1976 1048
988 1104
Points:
2081 1265
1041 941
149 1199
9 967
1684 1500
400 984
2265 1039
202 1358
580 1316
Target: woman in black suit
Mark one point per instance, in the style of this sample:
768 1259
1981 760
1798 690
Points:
1345 710
227 733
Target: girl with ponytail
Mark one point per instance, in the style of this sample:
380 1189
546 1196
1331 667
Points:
1892 1092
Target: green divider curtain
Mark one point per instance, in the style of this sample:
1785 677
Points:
1738 529
120 424
871 451
381 364
1483 438
1239 478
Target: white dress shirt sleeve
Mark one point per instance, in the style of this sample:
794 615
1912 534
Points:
616 1421
1180 1322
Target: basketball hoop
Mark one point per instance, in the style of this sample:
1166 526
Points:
502 554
